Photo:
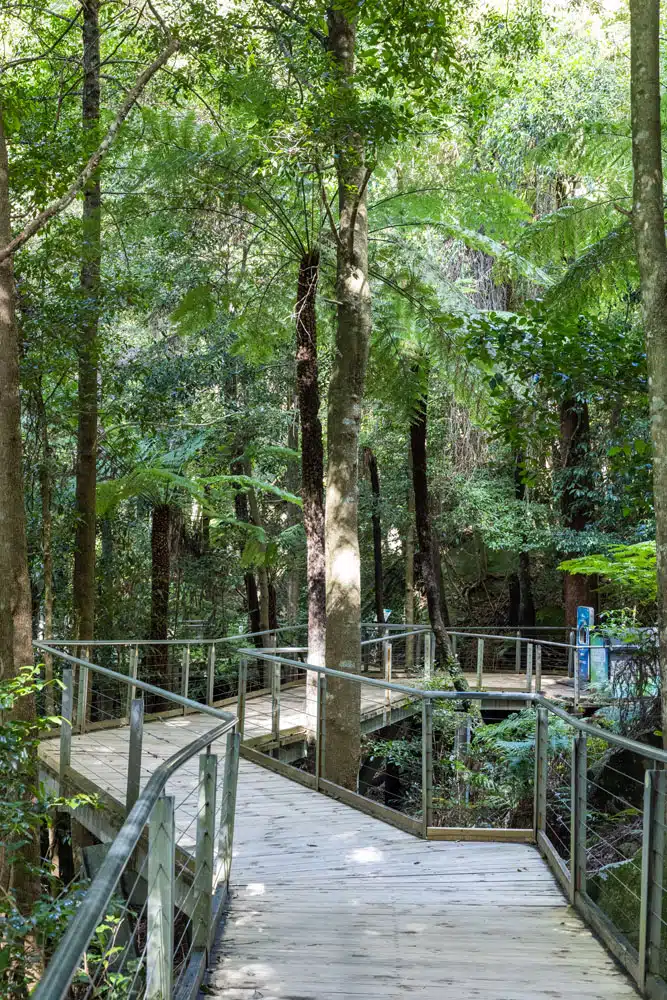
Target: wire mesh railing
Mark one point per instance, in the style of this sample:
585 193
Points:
146 923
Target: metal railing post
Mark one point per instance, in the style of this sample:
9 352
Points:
480 664
541 769
243 686
427 765
228 811
653 852
454 644
210 673
529 666
386 664
571 657
160 934
320 736
185 674
578 817
428 656
517 652
275 704
82 698
538 668
66 725
133 673
134 754
205 852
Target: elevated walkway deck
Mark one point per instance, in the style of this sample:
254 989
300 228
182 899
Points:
330 903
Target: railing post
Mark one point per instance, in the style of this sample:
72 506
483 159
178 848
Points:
653 851
578 817
571 657
134 755
275 704
185 674
161 861
529 666
386 663
205 852
541 769
454 643
66 725
427 765
243 685
210 674
320 736
228 811
480 664
133 673
428 656
82 697
538 668
517 651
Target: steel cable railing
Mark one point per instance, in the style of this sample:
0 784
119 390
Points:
146 922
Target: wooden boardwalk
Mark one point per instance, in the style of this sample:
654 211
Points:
329 903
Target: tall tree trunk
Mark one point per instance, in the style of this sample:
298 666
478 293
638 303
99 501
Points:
47 534
15 601
371 464
160 576
252 596
86 471
346 392
409 615
576 495
648 218
312 471
429 572
293 481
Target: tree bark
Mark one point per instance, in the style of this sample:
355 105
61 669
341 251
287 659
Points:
252 596
418 433
410 570
371 464
160 577
576 496
86 464
312 472
15 600
346 391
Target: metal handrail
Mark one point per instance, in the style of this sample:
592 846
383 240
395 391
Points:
62 967
429 694
134 682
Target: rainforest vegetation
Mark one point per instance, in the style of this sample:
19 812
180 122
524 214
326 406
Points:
314 315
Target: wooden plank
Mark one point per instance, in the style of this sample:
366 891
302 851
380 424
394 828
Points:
494 835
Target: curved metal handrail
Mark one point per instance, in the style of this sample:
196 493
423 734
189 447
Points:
64 963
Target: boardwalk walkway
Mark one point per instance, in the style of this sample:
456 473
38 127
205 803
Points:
329 903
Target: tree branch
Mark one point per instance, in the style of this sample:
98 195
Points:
332 221
292 14
24 60
57 206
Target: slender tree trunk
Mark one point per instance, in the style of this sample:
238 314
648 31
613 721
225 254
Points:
160 578
346 392
86 467
371 464
15 601
526 605
252 596
429 573
107 589
312 472
47 549
649 224
410 570
293 481
576 496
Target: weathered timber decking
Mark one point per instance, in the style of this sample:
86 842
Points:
329 903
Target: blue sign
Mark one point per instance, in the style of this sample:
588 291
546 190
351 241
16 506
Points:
585 622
